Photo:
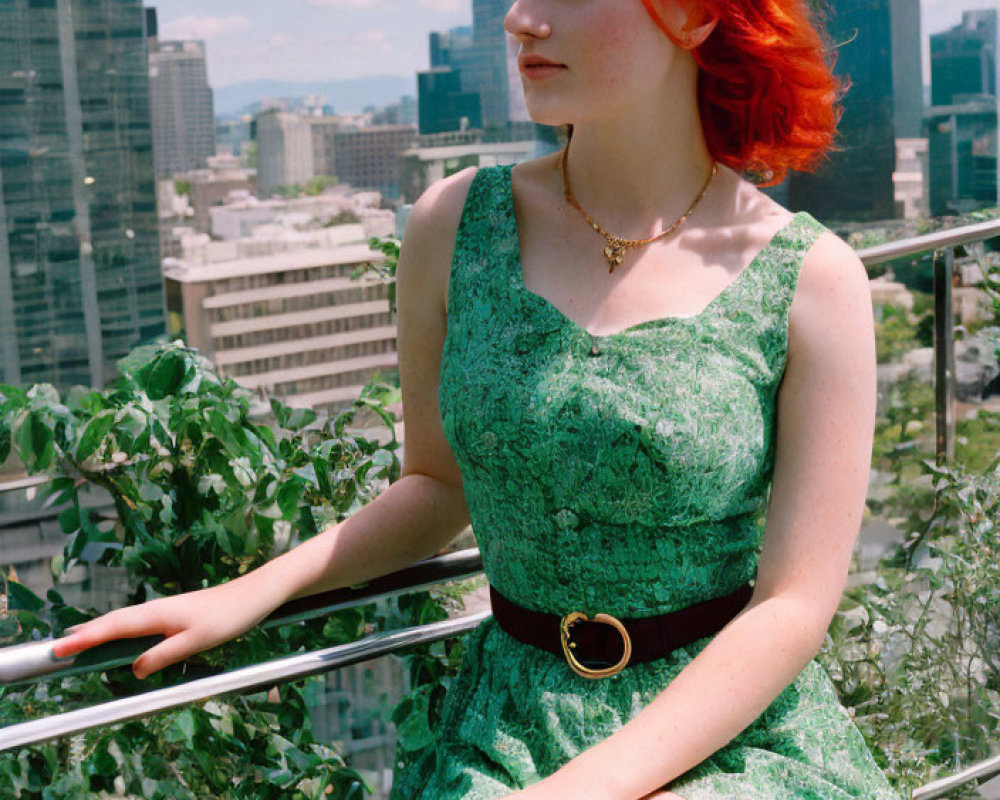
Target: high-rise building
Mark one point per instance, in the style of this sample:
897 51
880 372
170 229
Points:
284 150
368 158
80 277
473 80
963 59
443 106
487 64
962 139
856 183
907 72
450 48
182 106
962 120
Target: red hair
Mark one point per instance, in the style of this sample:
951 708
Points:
767 94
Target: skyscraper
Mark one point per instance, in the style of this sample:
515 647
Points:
488 62
183 111
963 58
962 120
80 278
470 82
284 150
907 72
856 183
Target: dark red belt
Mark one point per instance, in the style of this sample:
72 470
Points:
604 645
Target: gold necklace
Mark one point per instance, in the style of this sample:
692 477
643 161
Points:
615 249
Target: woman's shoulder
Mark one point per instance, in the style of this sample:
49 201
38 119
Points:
833 294
428 241
832 281
439 208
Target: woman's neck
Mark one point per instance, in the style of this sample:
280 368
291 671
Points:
639 173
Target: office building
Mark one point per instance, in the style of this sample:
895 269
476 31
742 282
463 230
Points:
284 150
909 178
962 121
443 106
856 183
962 140
369 157
293 324
486 67
963 59
80 278
907 72
422 166
473 80
182 106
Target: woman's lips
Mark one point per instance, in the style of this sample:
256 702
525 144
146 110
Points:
537 71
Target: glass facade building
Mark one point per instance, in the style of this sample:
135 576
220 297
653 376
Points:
963 59
80 276
962 122
856 182
469 83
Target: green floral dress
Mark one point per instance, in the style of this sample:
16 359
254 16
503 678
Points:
628 474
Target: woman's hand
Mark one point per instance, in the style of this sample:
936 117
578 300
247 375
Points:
192 622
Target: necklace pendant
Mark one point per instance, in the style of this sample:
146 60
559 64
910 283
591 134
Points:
615 253
594 349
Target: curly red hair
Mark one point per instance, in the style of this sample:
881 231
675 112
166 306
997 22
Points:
767 95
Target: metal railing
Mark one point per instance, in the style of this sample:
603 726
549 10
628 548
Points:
942 244
34 661
25 663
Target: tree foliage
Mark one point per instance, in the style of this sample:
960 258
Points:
202 491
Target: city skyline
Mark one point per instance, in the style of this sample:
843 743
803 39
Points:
324 40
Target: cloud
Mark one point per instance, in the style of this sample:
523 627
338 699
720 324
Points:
193 27
344 3
370 38
446 6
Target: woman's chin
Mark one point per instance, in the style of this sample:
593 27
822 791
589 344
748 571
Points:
542 114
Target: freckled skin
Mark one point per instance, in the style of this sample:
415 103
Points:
614 53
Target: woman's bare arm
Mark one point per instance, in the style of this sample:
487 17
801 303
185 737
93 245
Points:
412 519
425 509
825 426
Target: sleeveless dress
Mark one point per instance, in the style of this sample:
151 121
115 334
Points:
631 481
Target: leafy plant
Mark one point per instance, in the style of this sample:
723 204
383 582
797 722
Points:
205 482
916 654
386 269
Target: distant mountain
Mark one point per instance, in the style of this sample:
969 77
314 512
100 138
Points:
346 96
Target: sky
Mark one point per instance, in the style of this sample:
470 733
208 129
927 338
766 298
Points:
318 40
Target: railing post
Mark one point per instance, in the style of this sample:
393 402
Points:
944 356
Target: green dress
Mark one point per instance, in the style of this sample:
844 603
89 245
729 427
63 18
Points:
631 481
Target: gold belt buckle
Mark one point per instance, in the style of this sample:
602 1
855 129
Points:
575 616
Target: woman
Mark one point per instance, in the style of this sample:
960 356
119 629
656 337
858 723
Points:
609 356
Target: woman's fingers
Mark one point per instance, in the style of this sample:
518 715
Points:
124 623
170 651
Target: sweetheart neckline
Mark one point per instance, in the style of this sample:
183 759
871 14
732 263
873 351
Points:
781 235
